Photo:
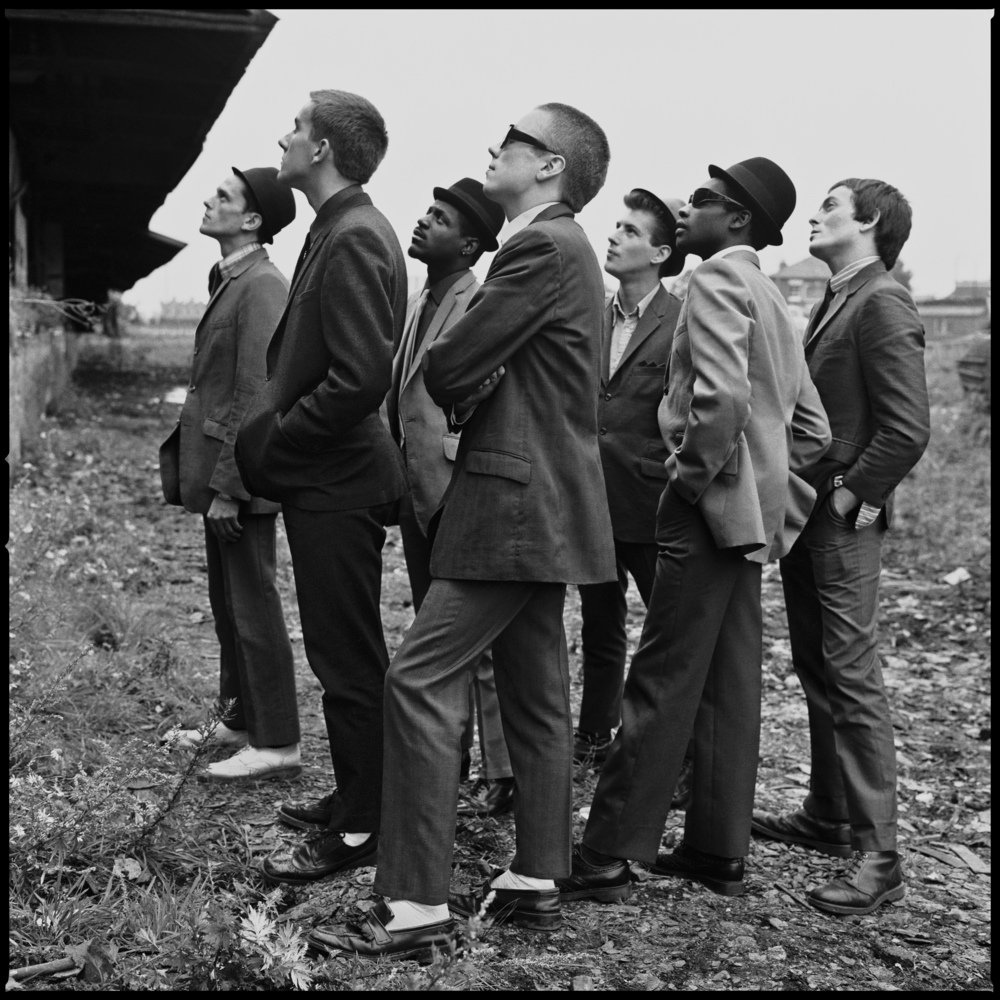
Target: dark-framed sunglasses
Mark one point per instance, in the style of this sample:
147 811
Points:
703 197
516 135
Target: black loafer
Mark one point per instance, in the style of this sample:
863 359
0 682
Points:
309 815
802 828
319 857
609 883
722 875
534 910
497 799
369 937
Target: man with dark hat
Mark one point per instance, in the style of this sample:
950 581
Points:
257 669
639 322
741 420
450 237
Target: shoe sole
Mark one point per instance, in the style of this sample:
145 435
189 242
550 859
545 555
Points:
719 886
609 894
892 896
824 847
270 775
545 922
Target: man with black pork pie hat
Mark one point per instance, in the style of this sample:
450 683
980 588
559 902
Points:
459 226
256 666
735 499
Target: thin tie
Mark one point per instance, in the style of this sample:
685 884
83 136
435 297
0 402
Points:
413 332
823 306
302 255
214 278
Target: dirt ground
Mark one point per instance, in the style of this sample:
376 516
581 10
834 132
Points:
669 935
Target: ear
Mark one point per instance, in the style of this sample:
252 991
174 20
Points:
552 166
322 149
871 223
662 254
252 222
741 220
470 246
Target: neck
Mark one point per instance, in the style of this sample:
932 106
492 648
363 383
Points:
520 204
437 271
320 189
838 260
634 288
230 244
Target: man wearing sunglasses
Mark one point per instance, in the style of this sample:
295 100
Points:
742 421
525 514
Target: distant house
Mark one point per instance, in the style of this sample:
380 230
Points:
965 311
802 285
181 314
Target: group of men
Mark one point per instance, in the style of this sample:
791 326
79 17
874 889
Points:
526 435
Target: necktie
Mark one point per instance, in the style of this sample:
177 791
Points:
302 255
214 278
413 332
823 306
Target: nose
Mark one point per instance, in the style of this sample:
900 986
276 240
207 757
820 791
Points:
613 239
813 221
207 203
682 212
494 151
283 142
424 222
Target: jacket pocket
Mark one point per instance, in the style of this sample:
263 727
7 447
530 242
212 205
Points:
652 468
449 445
842 452
498 463
214 429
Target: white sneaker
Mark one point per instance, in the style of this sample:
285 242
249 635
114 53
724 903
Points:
252 763
218 735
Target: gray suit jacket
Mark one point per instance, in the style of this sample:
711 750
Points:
430 448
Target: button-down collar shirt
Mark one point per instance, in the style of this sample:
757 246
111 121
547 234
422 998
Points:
623 326
227 263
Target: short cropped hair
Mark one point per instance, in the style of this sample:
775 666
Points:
355 130
250 204
583 144
895 217
663 224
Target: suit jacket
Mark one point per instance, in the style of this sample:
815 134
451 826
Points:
741 417
313 437
527 498
226 371
867 359
632 450
431 449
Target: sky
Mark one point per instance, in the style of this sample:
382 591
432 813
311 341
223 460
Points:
901 95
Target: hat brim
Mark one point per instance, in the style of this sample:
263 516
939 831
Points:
772 229
469 211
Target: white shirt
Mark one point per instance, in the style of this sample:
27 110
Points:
624 326
842 277
518 223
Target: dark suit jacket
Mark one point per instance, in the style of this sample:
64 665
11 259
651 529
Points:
632 450
527 499
741 416
226 370
431 448
313 437
867 360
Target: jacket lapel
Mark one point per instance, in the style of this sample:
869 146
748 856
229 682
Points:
648 323
608 326
448 304
241 268
839 301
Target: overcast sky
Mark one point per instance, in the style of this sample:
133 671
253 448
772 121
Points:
902 95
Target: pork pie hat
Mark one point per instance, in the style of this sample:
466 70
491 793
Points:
767 190
274 198
486 216
674 264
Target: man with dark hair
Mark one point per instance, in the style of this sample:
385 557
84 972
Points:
525 514
256 665
639 323
315 441
865 348
741 420
458 227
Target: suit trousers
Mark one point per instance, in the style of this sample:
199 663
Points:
256 664
484 706
337 560
604 608
830 579
697 669
426 702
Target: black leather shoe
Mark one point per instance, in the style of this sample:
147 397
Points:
535 910
873 878
369 936
606 883
591 749
495 800
682 793
320 856
309 815
722 875
801 828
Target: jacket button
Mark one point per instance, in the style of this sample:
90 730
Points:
604 430
607 395
267 378
197 349
191 388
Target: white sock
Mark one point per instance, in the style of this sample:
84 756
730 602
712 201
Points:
511 880
406 914
355 839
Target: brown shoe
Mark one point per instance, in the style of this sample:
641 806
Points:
872 878
803 828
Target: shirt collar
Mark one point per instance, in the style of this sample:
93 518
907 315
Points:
640 306
843 276
520 221
718 255
227 263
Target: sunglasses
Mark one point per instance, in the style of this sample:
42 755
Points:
703 197
516 135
